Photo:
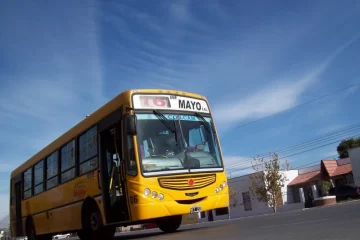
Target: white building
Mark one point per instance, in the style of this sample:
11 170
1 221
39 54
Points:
354 155
245 204
298 186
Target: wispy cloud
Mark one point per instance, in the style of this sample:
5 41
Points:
280 95
269 100
61 78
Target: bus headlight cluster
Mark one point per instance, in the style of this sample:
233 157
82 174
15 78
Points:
153 194
221 187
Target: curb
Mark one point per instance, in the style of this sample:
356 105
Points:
274 214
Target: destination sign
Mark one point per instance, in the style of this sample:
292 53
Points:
170 102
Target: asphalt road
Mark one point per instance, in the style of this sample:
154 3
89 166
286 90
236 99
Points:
341 221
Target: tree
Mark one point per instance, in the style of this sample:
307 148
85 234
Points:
326 185
268 179
345 145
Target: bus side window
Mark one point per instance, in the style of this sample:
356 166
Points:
68 162
52 171
88 151
39 177
28 183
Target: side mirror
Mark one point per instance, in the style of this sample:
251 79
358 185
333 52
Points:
130 124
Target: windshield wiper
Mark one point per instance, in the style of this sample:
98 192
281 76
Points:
166 121
174 130
206 125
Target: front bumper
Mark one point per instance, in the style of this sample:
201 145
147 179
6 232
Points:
169 208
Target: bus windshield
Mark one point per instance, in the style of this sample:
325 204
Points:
177 143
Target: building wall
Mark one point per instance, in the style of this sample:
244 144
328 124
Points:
343 161
245 204
354 155
310 169
287 192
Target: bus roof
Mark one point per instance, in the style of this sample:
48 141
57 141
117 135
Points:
93 118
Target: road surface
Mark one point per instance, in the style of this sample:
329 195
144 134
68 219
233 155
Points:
341 221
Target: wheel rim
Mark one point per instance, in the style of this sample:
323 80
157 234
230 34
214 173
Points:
94 221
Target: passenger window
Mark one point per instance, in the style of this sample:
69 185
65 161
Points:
39 177
68 162
28 183
88 151
52 170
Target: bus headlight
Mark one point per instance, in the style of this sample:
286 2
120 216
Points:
217 190
161 196
221 187
147 192
154 194
224 184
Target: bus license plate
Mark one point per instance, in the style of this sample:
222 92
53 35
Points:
195 209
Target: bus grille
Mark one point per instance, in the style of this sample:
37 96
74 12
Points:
187 182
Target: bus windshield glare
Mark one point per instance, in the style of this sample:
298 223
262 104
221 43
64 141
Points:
177 143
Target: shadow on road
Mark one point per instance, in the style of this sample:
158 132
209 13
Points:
146 233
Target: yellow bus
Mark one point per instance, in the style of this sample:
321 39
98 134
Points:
145 156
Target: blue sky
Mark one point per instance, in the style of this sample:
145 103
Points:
61 60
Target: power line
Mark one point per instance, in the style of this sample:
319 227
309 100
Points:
311 163
299 105
322 140
236 170
326 137
355 127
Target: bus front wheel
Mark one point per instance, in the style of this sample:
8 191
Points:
169 224
93 227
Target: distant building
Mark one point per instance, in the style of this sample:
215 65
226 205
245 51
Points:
309 180
354 155
299 185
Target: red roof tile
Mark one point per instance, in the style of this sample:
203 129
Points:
341 170
330 166
306 177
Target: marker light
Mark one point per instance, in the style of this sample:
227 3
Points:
224 184
147 192
154 194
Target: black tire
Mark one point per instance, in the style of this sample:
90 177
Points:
92 225
30 230
109 232
80 235
169 224
45 237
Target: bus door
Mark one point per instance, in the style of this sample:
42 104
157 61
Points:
112 176
18 211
